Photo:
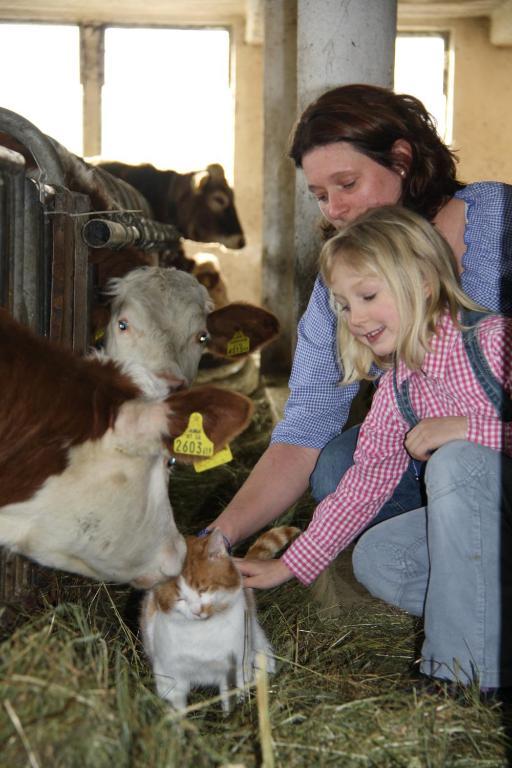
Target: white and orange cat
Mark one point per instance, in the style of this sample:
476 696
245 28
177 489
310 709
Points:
201 628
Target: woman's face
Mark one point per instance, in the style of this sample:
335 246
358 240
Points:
347 183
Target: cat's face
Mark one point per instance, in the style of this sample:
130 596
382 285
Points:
208 583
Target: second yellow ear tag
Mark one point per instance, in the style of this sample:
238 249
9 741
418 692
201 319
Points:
193 441
99 335
238 345
221 457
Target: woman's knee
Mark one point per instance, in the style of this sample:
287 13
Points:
333 462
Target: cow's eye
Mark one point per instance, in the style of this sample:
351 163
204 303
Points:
123 325
203 337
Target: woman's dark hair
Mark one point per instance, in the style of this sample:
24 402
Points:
372 119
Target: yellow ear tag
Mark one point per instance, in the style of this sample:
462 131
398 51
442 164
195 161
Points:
193 441
238 345
100 333
221 457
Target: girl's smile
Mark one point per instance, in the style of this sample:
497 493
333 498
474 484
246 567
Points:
368 307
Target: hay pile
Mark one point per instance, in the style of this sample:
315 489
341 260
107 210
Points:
77 691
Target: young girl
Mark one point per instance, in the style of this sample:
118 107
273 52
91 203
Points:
394 282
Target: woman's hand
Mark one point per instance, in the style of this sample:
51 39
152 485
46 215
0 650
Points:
430 434
262 574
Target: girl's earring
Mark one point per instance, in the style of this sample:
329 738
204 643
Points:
402 173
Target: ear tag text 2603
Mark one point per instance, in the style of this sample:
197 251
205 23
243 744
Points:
239 344
193 441
221 457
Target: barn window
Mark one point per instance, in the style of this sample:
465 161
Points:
167 99
40 66
157 95
422 68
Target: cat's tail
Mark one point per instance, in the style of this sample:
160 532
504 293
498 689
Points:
272 541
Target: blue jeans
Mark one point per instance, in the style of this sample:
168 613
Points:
338 456
451 562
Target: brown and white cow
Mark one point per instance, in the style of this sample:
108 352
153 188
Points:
83 460
200 204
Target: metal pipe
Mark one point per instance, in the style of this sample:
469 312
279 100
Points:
37 143
115 233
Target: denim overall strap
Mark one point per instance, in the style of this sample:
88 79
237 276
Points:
485 377
407 411
403 401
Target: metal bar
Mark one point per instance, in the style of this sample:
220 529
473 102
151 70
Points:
12 167
123 230
37 143
80 251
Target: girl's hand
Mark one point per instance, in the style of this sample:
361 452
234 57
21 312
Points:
430 434
262 574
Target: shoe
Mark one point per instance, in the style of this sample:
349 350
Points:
463 694
501 696
436 686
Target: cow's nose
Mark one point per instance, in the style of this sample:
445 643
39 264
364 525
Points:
175 382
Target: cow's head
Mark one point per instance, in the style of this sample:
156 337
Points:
158 320
162 320
208 214
108 516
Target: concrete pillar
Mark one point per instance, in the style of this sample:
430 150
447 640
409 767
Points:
338 42
280 109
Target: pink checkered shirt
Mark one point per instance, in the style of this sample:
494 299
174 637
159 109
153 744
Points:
445 386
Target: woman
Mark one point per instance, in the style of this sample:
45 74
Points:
362 147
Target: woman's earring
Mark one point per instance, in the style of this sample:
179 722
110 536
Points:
402 173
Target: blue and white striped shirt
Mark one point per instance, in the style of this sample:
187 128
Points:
317 407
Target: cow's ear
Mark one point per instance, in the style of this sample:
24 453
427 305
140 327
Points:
225 414
240 328
216 172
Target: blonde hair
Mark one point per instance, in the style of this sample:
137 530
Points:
402 248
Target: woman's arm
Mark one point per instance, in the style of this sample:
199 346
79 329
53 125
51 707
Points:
278 479
451 223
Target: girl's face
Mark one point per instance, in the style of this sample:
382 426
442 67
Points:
347 183
368 307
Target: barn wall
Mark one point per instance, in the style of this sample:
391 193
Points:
244 267
482 98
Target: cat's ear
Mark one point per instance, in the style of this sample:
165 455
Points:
216 545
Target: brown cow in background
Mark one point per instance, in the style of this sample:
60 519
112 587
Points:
200 204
